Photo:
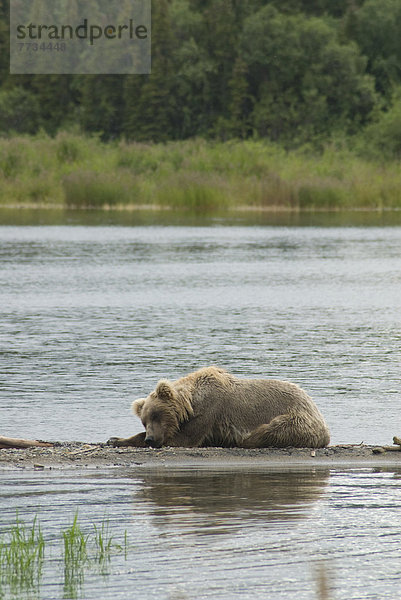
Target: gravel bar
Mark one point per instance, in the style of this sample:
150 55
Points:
80 455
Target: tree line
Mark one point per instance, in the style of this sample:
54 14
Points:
292 71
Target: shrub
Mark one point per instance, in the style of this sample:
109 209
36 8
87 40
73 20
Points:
85 189
320 197
193 191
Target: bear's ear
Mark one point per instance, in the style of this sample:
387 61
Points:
137 406
164 390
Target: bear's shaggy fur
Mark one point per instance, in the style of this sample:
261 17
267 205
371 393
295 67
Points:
213 408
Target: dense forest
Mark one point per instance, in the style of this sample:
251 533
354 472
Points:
295 72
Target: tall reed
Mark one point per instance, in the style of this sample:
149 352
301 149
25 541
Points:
77 171
21 557
75 557
105 546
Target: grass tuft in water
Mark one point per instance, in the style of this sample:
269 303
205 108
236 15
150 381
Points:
75 544
83 551
21 557
105 547
75 558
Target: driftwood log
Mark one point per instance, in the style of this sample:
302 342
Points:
7 442
384 449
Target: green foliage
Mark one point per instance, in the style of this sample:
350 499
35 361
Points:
57 101
376 27
10 162
313 7
237 124
293 72
4 40
19 111
88 189
193 192
381 140
80 172
320 197
68 148
306 84
150 111
137 157
101 101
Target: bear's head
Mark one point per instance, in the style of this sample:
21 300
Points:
162 412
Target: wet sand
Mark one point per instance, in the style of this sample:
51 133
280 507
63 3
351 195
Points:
79 455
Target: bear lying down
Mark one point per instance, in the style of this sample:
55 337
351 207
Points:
213 408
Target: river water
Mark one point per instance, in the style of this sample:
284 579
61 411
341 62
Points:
93 315
194 535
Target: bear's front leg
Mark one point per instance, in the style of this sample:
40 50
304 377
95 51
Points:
138 441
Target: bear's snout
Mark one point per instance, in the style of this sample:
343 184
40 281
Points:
150 441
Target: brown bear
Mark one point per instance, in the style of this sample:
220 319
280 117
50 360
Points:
213 408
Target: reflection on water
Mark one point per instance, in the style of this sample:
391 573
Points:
364 218
204 535
214 500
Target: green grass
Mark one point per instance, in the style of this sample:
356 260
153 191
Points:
23 554
105 545
193 191
75 558
21 557
76 171
87 188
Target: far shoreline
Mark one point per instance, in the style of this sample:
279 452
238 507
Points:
274 208
74 170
